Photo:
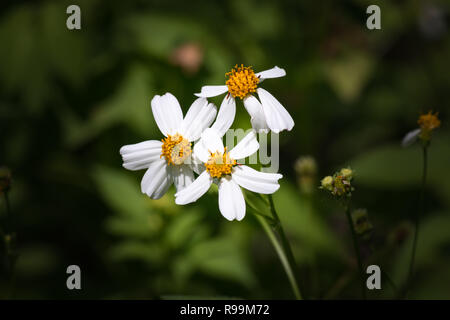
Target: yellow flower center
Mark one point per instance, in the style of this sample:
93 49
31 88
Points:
241 81
175 149
341 186
429 121
219 164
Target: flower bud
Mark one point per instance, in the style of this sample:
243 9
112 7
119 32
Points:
340 183
306 166
327 183
361 222
347 173
341 186
306 169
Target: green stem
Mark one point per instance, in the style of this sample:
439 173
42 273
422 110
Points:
8 206
377 257
8 238
264 200
285 243
282 255
279 228
391 282
357 251
257 212
417 215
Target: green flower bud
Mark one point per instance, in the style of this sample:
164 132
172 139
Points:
361 222
306 169
327 183
341 186
347 173
306 166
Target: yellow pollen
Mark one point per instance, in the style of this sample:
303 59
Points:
175 149
241 81
429 121
220 164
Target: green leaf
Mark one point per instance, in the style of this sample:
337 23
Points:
302 222
121 192
349 74
225 256
393 167
151 253
129 105
433 237
183 228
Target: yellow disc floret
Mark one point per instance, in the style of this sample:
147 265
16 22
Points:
220 164
175 149
428 122
241 81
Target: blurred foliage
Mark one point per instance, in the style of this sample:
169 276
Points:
70 99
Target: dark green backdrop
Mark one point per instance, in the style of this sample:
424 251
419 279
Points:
70 99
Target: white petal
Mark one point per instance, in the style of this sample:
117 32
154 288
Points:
410 138
246 147
200 153
157 180
195 190
167 113
209 142
182 176
256 181
140 155
197 165
257 117
226 115
277 117
211 91
199 117
231 200
275 72
212 141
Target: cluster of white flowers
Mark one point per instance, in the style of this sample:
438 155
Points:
173 160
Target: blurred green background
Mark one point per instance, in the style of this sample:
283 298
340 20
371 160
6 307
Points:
70 99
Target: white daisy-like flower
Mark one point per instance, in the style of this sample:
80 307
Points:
428 122
265 113
169 160
223 122
222 168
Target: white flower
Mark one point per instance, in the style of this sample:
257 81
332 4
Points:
223 122
169 160
222 167
242 82
428 122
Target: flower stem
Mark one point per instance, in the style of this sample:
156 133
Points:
284 251
258 213
8 206
417 215
357 251
8 239
377 257
282 255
